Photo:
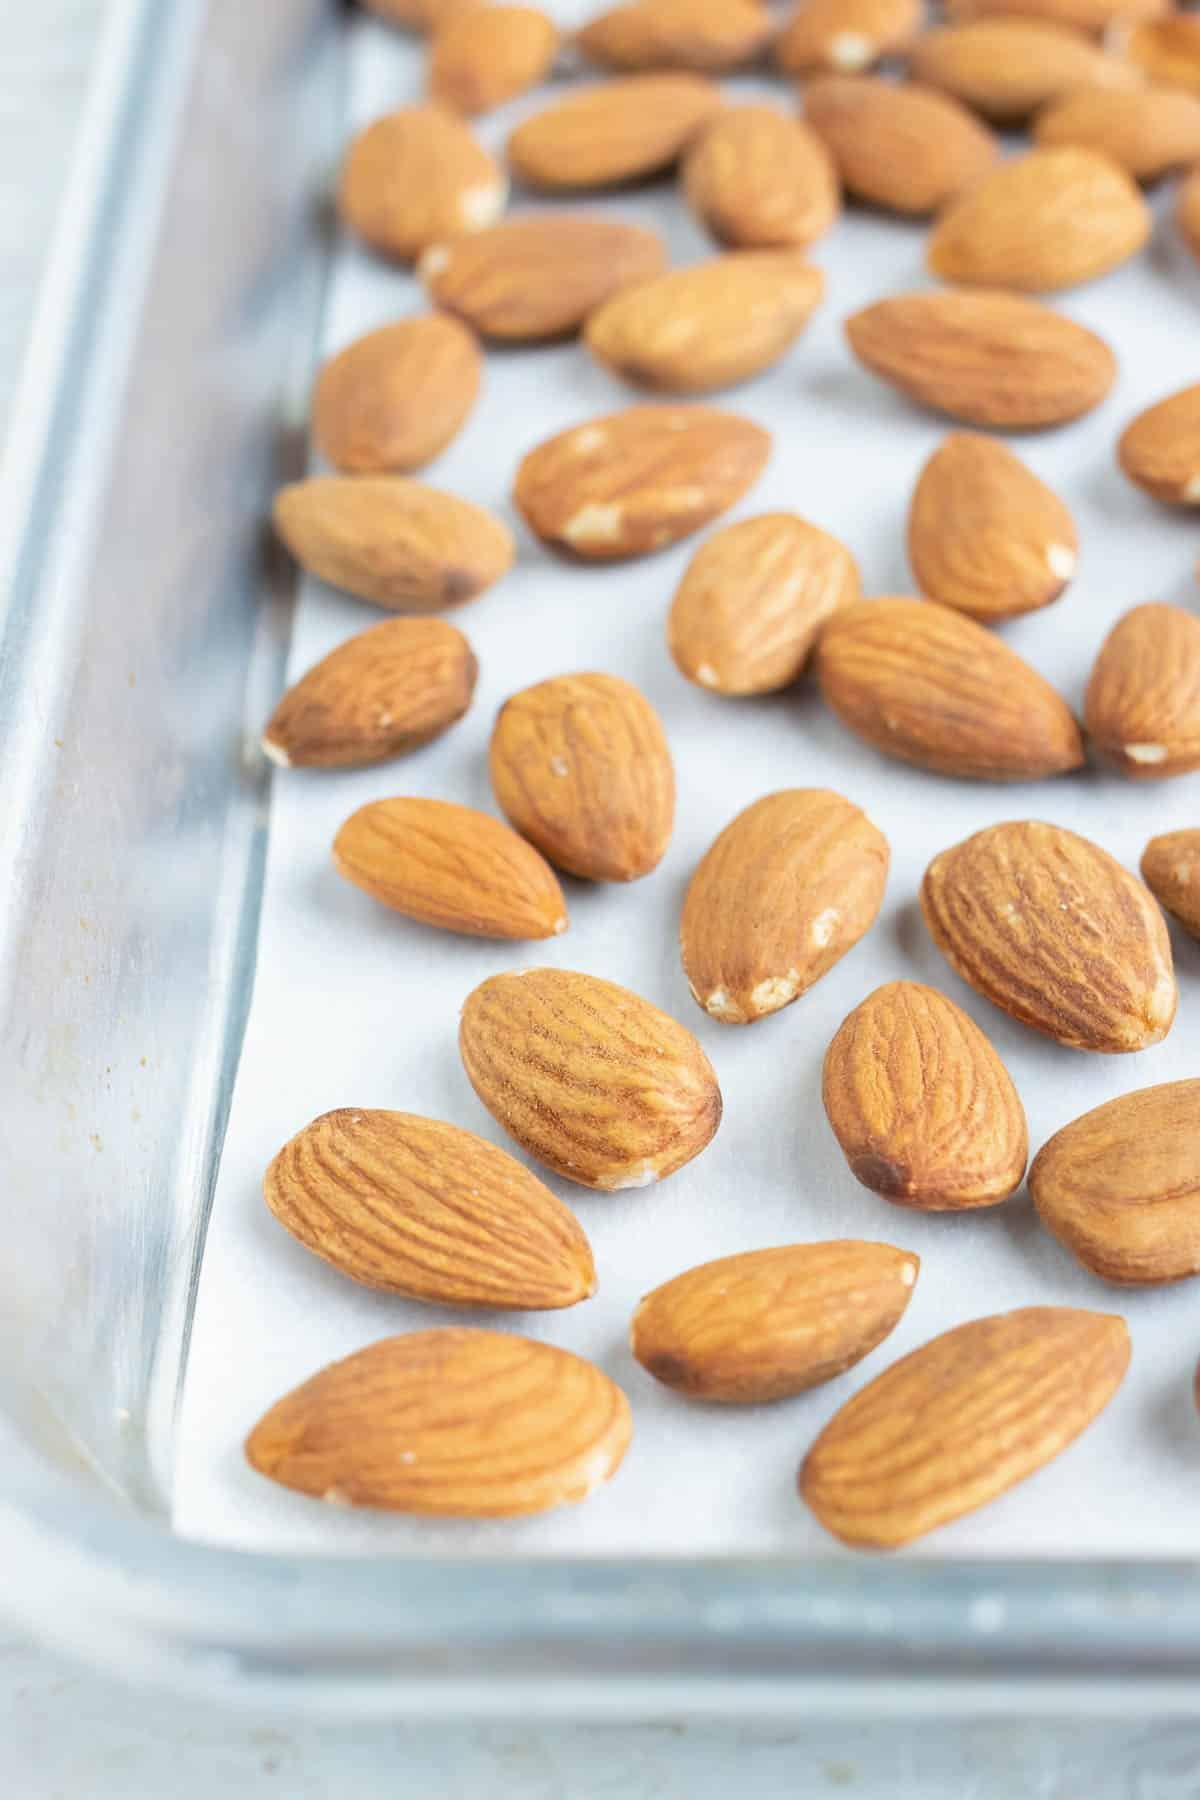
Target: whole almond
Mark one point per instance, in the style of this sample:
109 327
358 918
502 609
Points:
392 400
450 866
1160 449
1142 707
783 893
386 691
637 480
985 535
753 599
708 326
906 148
1165 50
487 55
418 15
709 35
590 1079
932 687
847 35
1187 212
921 1104
1091 16
1171 870
771 1323
414 177
989 359
455 1421
613 132
760 180
1149 131
582 768
1007 68
961 1420
1120 1187
421 1208
393 541
1050 928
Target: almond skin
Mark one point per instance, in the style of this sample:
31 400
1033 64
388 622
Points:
381 693
708 35
1142 706
1148 131
450 866
783 893
391 401
1187 212
1091 16
922 1106
985 536
417 1207
961 1420
452 1422
760 181
1171 870
905 148
998 360
637 480
613 132
768 1324
1050 928
1006 69
927 685
752 601
1164 50
587 1077
847 35
582 768
414 177
1160 449
481 58
419 15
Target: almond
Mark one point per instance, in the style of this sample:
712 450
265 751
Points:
450 866
1120 1187
960 1421
484 56
1149 131
590 1079
1187 212
709 326
907 148
418 15
985 536
1171 870
582 768
752 601
637 480
613 132
416 176
457 1422
990 359
771 1323
759 180
922 1106
1007 68
1165 50
927 685
785 891
383 692
709 35
392 400
1160 449
1050 928
847 35
1142 707
1091 16
417 1207
393 541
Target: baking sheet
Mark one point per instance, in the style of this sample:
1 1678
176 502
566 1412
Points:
356 1006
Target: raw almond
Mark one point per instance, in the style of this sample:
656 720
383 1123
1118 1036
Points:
582 768
759 180
989 359
1160 449
932 687
457 1422
418 15
1091 16
393 541
709 35
771 1323
392 400
753 599
985 536
960 1421
785 891
637 480
613 132
1149 131
709 326
1050 928
1171 870
906 148
1165 50
418 1207
1120 1187
1187 212
1142 707
485 56
590 1079
847 35
1007 68
414 177
922 1106
385 691
450 866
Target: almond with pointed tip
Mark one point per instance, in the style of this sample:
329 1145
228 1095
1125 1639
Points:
1006 69
1149 131
1164 50
1160 449
759 180
1187 212
417 176
1171 870
900 146
612 132
706 35
1091 16
847 35
1142 706
483 57
391 401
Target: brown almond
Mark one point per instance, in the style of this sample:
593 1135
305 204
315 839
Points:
417 176
1165 50
708 35
1148 131
1171 870
1142 706
391 401
589 1078
487 55
906 148
921 1104
768 1324
847 35
759 180
783 893
1091 16
961 1420
1160 449
613 132
1187 212
454 1422
1007 68
419 15
1051 929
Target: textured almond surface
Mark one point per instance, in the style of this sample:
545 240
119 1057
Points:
846 35
1053 930
1160 449
1092 16
589 1078
1187 212
760 180
473 1424
1149 131
485 56
709 35
1171 870
960 1421
613 132
770 1323
450 866
416 176
1142 707
1166 50
1007 68
418 1207
390 401
784 892
922 1106
906 148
